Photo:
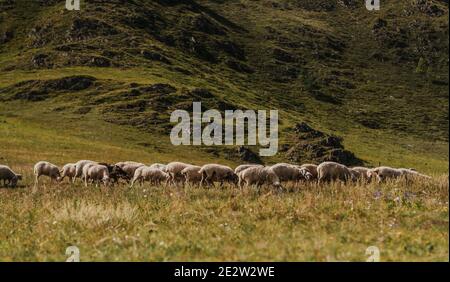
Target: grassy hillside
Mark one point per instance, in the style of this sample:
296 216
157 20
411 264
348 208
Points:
101 83
379 80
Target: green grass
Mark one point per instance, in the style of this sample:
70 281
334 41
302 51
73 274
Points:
330 78
310 223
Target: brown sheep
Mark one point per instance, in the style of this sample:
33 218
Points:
8 176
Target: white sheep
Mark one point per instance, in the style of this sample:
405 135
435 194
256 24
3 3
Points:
96 173
382 173
138 175
8 176
217 173
288 172
240 168
158 166
332 171
84 173
361 173
258 175
153 175
192 174
69 170
79 168
174 170
46 169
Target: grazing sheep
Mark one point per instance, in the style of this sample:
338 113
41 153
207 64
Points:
138 176
158 166
331 171
240 168
217 173
258 175
8 175
47 169
84 173
174 170
122 164
153 175
412 173
192 174
96 173
116 173
361 173
287 172
79 168
312 169
383 173
69 170
129 167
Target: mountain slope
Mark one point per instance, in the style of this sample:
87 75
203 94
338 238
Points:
379 79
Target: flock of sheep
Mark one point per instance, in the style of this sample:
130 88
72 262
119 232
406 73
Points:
176 173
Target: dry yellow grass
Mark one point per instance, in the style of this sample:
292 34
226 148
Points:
336 222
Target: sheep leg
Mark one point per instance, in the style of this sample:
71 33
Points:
167 180
240 184
133 181
36 181
210 182
202 182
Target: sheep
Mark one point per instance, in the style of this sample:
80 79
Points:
7 174
192 174
383 172
240 168
138 175
129 167
79 168
47 169
361 173
412 173
122 164
331 171
174 170
312 169
217 173
158 166
84 173
258 175
288 172
96 173
69 170
153 175
116 173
